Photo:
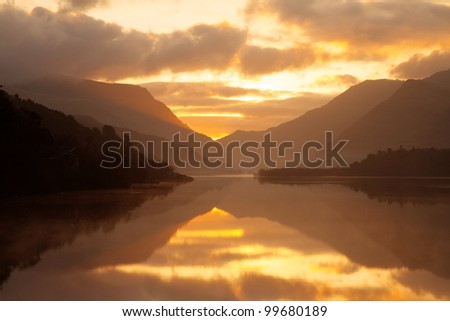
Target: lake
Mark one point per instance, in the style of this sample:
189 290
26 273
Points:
231 238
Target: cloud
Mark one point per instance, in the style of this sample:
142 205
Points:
262 60
75 44
421 66
361 22
282 109
271 109
80 5
422 282
200 47
347 80
214 97
81 46
203 89
260 287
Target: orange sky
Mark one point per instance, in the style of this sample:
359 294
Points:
242 64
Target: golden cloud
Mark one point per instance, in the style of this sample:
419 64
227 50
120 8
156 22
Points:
361 23
421 66
203 89
259 60
345 79
80 5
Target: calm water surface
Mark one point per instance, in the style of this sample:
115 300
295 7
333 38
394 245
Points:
231 238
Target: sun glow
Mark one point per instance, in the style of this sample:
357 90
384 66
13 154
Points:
194 114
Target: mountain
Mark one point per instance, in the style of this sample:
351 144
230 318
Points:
45 151
441 78
155 153
373 115
416 115
119 105
335 116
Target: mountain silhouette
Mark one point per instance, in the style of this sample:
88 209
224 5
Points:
373 115
441 78
336 115
46 151
416 115
119 105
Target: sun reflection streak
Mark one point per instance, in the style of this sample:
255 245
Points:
209 233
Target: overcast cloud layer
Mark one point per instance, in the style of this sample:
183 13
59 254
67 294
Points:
80 5
44 42
361 23
69 42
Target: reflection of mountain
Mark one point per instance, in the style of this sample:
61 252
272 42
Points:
156 221
403 191
35 225
416 235
376 234
313 210
119 105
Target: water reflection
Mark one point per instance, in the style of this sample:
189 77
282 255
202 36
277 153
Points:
254 268
32 225
221 239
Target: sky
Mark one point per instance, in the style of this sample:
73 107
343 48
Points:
227 65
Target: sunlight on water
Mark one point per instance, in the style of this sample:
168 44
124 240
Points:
277 260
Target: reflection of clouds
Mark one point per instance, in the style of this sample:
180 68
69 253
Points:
254 268
266 287
115 285
422 283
